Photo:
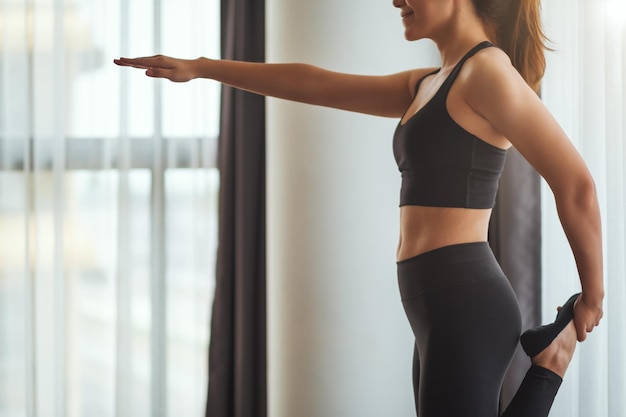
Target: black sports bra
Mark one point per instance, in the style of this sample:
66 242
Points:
442 164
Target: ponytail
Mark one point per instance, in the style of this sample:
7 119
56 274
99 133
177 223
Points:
519 34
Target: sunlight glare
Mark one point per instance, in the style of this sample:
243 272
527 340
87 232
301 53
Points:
616 12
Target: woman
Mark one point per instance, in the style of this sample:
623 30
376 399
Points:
456 123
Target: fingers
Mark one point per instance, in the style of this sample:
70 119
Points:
160 66
581 331
586 318
158 73
125 63
151 71
583 328
156 61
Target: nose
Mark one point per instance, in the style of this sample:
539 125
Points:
398 3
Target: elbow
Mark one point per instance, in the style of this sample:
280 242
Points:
580 194
586 195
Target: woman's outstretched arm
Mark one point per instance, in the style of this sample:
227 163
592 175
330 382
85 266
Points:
499 94
387 95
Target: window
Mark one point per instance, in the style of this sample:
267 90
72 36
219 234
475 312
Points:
108 209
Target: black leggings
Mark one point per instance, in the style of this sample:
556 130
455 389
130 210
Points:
466 323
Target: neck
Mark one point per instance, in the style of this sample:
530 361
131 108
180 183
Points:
463 32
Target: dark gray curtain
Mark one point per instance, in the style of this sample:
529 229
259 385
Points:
237 352
515 237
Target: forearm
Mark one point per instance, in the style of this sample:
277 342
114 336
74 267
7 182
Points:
296 82
580 216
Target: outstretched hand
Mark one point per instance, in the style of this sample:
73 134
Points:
587 315
161 66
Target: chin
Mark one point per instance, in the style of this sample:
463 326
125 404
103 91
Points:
412 36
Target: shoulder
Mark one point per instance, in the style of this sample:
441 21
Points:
489 80
497 92
487 62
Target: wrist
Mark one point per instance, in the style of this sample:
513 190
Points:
200 66
592 298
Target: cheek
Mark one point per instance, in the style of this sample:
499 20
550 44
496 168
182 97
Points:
423 11
413 5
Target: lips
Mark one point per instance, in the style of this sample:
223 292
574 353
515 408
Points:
406 14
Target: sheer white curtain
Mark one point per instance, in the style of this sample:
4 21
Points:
585 87
107 209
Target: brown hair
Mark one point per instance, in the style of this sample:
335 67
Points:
519 34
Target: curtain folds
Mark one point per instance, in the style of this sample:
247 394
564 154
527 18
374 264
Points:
237 353
585 89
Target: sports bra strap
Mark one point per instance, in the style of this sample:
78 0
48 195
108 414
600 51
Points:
419 82
447 84
455 71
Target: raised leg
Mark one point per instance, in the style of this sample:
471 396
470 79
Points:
536 394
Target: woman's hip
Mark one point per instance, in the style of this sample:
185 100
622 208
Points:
459 289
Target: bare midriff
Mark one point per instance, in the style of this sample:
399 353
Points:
423 229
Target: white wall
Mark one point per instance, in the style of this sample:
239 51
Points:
339 343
